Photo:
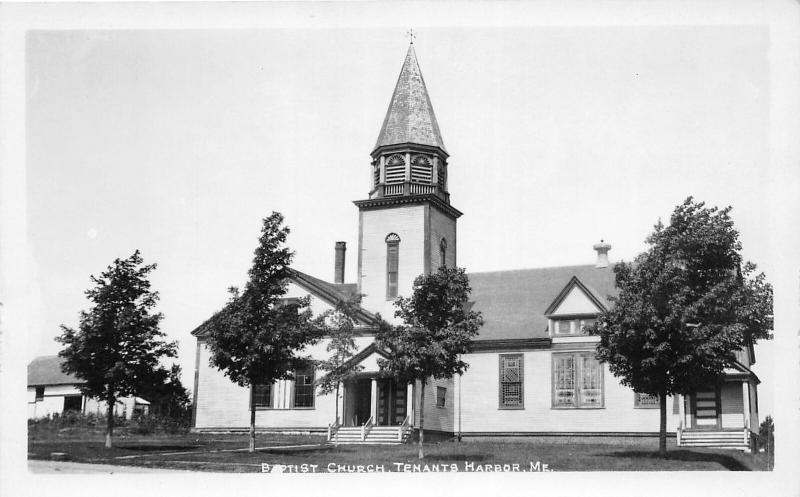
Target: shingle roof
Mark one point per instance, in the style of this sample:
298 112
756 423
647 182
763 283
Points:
330 292
46 370
410 117
513 303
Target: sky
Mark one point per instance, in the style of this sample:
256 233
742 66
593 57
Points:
178 143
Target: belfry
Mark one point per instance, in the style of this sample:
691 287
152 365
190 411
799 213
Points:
407 226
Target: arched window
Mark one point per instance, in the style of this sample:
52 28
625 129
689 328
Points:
395 169
443 253
392 256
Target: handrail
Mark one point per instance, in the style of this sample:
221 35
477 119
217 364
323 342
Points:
333 428
402 429
679 432
365 428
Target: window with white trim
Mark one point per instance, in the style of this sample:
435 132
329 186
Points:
564 327
262 396
304 388
511 381
441 396
577 381
392 263
646 401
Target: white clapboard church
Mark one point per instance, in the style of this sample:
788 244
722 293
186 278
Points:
532 370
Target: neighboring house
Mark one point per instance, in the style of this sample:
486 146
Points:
532 369
51 391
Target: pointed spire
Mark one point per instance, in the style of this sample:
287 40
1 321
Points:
410 117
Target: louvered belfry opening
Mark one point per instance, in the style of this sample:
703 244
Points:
409 157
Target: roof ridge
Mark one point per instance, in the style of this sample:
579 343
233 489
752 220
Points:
540 268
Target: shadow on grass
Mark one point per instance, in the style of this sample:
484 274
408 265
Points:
728 462
294 450
156 448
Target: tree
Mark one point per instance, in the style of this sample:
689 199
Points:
684 308
118 342
439 328
766 439
257 338
166 393
338 324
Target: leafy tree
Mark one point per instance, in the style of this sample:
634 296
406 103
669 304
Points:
166 393
118 342
439 328
257 337
338 324
684 308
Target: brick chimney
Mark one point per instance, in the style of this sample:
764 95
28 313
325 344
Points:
602 249
338 264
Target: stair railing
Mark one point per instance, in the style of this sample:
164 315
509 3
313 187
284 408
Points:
333 429
401 432
366 427
680 432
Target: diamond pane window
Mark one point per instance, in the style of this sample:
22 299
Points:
577 381
645 400
511 381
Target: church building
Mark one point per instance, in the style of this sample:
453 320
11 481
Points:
532 369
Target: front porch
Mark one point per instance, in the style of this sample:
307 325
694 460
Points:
373 411
720 416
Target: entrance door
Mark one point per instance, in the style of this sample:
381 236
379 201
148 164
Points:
391 403
362 390
706 409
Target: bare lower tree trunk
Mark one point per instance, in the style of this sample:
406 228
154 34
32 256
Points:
110 401
662 432
337 402
421 418
252 447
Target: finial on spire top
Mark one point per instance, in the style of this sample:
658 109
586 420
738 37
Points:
411 35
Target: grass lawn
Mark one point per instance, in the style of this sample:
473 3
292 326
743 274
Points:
221 452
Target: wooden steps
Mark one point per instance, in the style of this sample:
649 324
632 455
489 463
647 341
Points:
719 439
385 435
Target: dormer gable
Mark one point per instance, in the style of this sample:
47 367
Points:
575 299
574 308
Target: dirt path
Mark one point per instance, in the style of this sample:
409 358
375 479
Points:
54 467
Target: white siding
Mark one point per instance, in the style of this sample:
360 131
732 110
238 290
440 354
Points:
480 402
408 223
436 418
223 404
732 405
53 402
576 302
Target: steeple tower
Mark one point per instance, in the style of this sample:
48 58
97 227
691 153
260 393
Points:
409 157
407 226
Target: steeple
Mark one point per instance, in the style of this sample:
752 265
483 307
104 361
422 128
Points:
409 158
410 117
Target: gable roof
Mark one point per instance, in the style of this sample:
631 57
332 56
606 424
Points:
514 303
410 117
329 292
46 370
592 294
372 348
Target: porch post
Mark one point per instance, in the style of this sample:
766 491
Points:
746 404
410 403
682 410
373 407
